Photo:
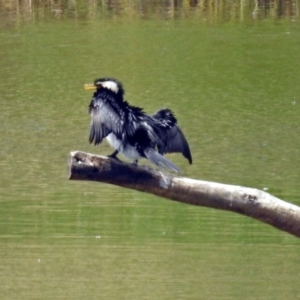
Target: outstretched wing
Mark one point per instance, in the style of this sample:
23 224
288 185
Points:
171 138
176 142
106 117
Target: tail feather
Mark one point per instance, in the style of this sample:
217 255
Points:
159 160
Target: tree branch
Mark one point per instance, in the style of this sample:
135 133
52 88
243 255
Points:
247 201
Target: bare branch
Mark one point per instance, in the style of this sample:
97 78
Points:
247 201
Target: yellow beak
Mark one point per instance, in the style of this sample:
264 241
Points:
89 86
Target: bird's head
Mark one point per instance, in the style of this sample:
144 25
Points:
110 84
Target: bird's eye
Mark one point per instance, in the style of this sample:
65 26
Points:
98 85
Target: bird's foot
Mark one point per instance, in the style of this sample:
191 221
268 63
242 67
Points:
114 155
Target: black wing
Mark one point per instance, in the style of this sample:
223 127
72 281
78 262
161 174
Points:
171 138
106 117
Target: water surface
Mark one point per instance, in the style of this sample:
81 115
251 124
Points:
231 78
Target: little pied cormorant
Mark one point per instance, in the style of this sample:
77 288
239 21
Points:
129 130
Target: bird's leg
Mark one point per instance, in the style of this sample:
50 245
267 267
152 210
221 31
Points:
114 155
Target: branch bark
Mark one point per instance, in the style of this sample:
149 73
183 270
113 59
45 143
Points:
251 202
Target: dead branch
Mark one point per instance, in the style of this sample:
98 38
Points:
251 202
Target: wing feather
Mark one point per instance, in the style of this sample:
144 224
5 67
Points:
170 137
106 117
176 142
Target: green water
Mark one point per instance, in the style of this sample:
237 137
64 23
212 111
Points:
234 86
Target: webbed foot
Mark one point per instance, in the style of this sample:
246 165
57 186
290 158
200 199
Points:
114 155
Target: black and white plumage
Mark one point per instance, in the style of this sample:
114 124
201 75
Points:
132 132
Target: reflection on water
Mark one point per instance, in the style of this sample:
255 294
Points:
13 12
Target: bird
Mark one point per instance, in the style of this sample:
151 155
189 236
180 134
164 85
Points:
132 132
